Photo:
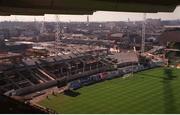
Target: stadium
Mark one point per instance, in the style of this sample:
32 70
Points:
53 64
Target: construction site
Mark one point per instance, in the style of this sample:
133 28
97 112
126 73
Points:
89 56
32 66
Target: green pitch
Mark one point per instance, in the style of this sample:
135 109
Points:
151 91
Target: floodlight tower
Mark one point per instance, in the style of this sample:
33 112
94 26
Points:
35 23
58 36
42 29
143 33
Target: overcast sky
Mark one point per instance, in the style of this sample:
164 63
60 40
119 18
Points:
98 16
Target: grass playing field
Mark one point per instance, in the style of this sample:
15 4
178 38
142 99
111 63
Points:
151 91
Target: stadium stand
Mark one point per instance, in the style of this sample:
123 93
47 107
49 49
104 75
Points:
33 75
99 77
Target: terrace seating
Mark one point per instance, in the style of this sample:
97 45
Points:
45 74
23 84
35 75
29 76
9 87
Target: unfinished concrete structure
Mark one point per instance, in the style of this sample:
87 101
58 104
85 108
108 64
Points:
31 75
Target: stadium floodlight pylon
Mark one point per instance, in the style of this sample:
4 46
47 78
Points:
58 37
35 23
42 30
